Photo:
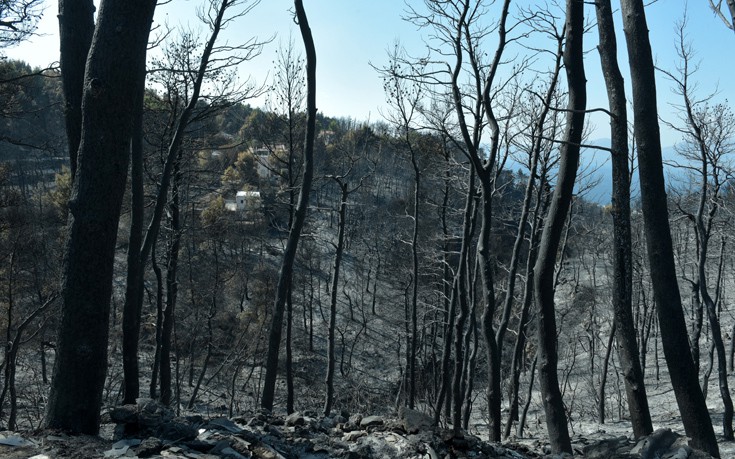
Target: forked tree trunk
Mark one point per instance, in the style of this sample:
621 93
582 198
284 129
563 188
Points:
76 26
693 409
119 42
622 241
444 394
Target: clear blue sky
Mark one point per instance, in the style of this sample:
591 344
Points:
350 34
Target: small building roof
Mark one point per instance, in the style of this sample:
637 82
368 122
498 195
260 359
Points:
248 194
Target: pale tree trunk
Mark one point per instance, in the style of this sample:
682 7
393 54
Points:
415 285
693 409
556 419
172 289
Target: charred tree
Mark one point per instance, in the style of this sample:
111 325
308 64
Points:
692 406
289 256
76 26
556 418
635 389
94 212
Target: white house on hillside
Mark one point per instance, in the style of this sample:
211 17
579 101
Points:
247 200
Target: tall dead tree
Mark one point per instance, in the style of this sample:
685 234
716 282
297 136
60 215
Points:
120 40
534 190
708 131
692 406
216 17
625 333
544 271
76 25
289 256
470 78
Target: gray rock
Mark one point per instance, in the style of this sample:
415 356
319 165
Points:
371 421
224 424
231 454
657 444
354 435
266 452
177 429
414 421
149 447
295 419
608 449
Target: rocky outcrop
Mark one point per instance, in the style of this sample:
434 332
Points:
148 429
298 435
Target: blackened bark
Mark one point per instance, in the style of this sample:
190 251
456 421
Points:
556 419
333 298
539 210
698 312
448 291
528 195
289 353
692 406
133 305
289 255
703 221
486 264
153 388
415 284
529 397
635 389
137 261
521 337
120 38
461 293
719 345
76 26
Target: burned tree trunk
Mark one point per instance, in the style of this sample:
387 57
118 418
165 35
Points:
556 419
694 414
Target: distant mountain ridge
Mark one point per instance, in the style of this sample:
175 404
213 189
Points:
595 171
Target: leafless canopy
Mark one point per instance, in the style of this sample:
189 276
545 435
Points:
18 19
